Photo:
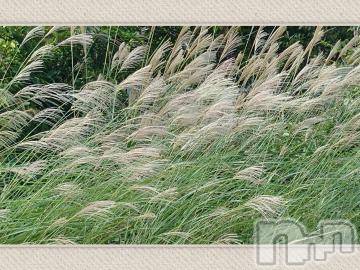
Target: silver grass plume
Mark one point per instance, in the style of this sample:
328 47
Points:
38 31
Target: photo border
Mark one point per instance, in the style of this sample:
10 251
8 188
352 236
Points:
179 12
167 12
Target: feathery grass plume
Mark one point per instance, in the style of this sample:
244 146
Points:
327 81
149 119
194 72
76 152
61 240
75 126
347 141
232 42
219 212
41 53
295 59
318 34
221 126
350 127
14 120
354 58
167 195
266 101
68 134
199 44
251 174
186 117
127 205
83 30
208 134
135 82
54 29
310 105
271 56
82 39
150 94
109 141
309 72
120 55
219 109
144 170
34 145
24 74
77 162
352 78
7 138
332 91
273 85
136 154
289 53
260 40
38 31
196 77
217 84
148 133
237 64
252 68
4 213
120 134
141 153
98 209
273 38
135 57
179 49
60 222
228 239
144 189
68 190
199 41
267 206
157 59
353 124
145 216
49 116
309 123
269 66
174 64
216 43
97 94
351 44
29 169
177 102
335 49
6 98
41 95
246 123
183 139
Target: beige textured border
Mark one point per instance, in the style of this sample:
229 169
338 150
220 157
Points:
167 12
155 258
175 12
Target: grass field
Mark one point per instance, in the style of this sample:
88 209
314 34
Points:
208 141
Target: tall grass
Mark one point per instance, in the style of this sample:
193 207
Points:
208 142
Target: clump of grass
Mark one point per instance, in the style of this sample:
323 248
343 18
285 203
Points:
208 142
